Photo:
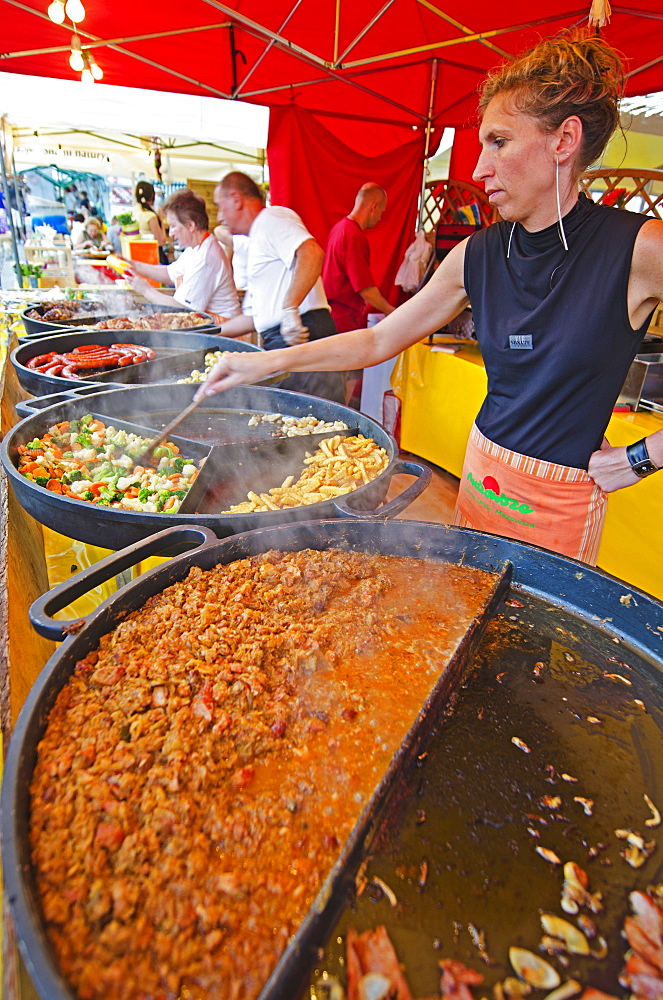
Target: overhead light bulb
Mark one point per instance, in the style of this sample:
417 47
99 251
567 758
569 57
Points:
56 11
95 68
74 10
86 77
76 61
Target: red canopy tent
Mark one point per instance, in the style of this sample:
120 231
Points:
359 89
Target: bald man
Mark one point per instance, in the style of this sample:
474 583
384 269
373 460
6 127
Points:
346 273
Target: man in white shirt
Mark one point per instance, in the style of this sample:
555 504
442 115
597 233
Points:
284 263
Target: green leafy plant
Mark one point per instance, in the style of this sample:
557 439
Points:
30 270
126 219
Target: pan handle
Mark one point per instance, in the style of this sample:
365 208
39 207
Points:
181 536
28 407
399 503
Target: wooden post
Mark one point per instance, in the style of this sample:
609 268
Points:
23 578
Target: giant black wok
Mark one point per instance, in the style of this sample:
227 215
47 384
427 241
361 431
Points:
238 459
116 304
569 595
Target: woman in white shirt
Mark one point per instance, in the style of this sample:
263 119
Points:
202 275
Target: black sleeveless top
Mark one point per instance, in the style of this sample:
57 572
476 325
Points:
554 330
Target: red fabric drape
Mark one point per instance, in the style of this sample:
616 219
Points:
317 175
464 154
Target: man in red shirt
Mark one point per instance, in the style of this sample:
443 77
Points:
346 273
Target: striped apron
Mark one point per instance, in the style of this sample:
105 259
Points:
506 493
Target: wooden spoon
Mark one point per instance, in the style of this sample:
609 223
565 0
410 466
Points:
167 431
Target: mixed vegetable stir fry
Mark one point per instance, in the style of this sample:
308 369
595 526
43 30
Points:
86 460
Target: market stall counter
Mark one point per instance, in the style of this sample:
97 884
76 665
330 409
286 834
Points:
442 393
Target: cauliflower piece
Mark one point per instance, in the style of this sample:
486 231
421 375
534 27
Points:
124 482
80 486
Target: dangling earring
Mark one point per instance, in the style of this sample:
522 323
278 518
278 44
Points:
562 234
508 249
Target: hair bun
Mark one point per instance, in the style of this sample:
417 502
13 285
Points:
573 74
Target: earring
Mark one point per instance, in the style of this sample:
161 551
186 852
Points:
560 224
508 249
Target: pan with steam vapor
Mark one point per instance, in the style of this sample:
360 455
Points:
237 453
171 356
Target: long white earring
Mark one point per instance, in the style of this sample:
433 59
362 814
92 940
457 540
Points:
559 207
508 249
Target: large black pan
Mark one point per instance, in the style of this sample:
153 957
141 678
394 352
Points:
243 458
178 353
87 311
571 590
118 304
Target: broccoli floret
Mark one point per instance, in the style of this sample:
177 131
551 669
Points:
41 480
161 499
105 471
35 443
73 476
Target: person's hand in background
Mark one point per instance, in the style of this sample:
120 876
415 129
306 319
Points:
138 284
293 330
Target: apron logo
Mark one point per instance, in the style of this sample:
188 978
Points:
490 489
521 342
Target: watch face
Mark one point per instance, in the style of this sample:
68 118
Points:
644 468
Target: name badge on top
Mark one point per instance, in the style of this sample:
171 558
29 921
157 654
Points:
520 342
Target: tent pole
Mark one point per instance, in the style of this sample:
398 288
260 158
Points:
374 20
264 52
461 27
337 29
10 210
646 66
107 42
429 129
445 43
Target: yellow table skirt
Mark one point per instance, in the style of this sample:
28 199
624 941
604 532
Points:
441 395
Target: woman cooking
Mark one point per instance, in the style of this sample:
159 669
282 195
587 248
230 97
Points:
562 292
202 275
